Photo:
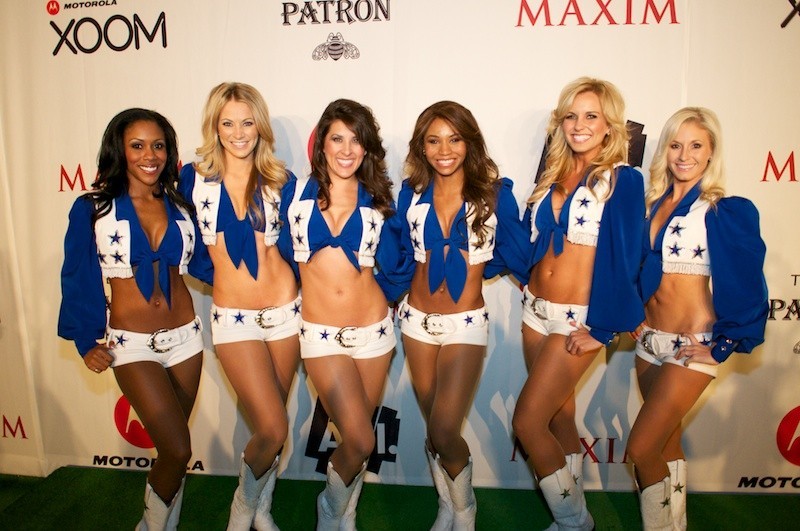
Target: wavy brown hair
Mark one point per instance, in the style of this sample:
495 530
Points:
480 171
372 172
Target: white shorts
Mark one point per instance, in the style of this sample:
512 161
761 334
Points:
167 347
231 325
548 317
464 328
318 340
657 347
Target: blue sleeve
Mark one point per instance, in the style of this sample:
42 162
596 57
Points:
525 275
395 256
512 241
285 236
737 276
186 182
200 266
82 317
614 303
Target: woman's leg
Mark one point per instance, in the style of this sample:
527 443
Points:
444 380
163 399
646 375
671 392
553 374
350 390
261 375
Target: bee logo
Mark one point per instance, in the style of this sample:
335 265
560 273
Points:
335 47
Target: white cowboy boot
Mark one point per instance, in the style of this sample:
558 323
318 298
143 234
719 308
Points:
263 517
444 516
677 478
245 499
462 496
566 500
332 502
655 506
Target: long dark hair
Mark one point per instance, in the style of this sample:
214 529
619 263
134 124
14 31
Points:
372 173
112 165
480 171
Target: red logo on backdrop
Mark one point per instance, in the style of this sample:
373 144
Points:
788 437
53 8
129 426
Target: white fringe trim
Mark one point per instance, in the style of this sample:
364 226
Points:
117 272
687 269
582 239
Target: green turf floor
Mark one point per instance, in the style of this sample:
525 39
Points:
103 499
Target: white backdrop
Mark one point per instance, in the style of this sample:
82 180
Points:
68 67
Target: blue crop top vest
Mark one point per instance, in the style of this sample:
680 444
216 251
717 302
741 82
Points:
417 230
730 250
215 214
304 230
614 227
117 247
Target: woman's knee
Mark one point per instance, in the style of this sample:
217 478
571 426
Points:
270 436
176 452
444 433
528 426
361 444
640 450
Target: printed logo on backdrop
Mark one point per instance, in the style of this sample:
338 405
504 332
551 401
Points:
129 425
132 430
786 309
118 32
74 181
596 12
335 48
14 429
795 12
335 12
324 12
607 450
322 441
772 170
787 438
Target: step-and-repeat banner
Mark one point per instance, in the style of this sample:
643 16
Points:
69 66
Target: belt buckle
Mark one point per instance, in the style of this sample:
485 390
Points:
347 341
538 306
259 319
644 339
436 324
151 342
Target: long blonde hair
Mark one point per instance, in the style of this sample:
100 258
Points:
559 160
713 180
268 170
